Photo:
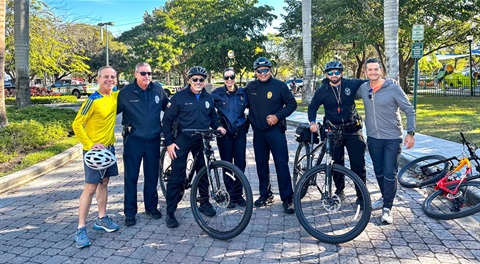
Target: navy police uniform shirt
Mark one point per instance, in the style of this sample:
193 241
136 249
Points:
232 106
141 109
189 112
269 98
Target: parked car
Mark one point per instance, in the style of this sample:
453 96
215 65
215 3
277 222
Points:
8 84
65 87
298 82
170 89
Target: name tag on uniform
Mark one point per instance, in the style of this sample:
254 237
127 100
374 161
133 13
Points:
134 101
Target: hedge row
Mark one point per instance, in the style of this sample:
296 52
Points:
33 127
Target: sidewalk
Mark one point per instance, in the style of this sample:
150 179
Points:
37 223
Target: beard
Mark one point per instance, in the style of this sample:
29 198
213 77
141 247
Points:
337 81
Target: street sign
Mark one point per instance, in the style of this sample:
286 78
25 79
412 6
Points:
417 50
417 32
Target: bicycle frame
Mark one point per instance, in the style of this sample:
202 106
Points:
208 156
446 182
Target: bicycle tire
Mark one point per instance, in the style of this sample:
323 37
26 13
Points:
412 176
438 206
300 162
164 171
330 218
228 222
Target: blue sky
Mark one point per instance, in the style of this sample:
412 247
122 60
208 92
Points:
125 13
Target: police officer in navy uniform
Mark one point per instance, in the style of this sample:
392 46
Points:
271 102
141 103
337 95
191 108
230 102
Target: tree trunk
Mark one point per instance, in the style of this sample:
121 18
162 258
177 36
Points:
22 49
308 84
390 20
3 111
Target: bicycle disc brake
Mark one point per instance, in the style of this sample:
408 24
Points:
458 201
332 204
221 198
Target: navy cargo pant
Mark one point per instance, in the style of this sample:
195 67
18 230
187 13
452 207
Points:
232 148
136 150
176 182
273 141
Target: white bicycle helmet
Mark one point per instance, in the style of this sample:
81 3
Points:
99 159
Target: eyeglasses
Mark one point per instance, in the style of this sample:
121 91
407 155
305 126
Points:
370 94
263 71
231 77
336 73
145 73
198 80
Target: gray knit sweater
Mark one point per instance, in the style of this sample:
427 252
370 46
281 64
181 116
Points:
382 111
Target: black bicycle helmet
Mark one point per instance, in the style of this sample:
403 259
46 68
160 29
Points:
197 70
333 65
262 61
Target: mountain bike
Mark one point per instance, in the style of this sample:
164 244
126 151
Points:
431 168
229 220
456 195
324 214
306 151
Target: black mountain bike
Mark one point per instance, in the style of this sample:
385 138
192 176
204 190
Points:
329 217
229 220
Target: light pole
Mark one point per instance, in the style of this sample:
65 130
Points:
470 39
106 24
231 56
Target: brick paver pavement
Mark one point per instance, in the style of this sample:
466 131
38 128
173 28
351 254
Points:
38 221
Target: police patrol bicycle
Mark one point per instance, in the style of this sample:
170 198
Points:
229 220
325 215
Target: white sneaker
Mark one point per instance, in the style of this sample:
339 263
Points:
377 205
387 216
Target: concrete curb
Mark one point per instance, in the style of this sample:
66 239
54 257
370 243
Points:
26 175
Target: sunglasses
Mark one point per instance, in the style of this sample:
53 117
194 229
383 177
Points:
336 73
231 77
370 94
198 80
263 71
145 73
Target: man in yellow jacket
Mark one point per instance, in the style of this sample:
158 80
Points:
94 127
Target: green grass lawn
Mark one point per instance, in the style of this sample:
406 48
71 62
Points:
442 117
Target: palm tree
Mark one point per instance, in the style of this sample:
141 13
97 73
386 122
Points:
3 112
308 87
390 21
22 49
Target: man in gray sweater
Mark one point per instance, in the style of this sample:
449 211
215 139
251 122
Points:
383 101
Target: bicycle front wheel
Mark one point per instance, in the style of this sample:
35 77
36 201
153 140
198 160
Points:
329 217
423 171
441 205
230 195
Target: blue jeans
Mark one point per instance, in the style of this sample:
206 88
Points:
385 154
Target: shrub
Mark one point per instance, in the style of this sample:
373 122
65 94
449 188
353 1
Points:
46 100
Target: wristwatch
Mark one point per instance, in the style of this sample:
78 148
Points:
411 133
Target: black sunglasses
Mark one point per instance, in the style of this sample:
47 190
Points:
145 73
198 79
263 71
231 77
370 94
336 73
